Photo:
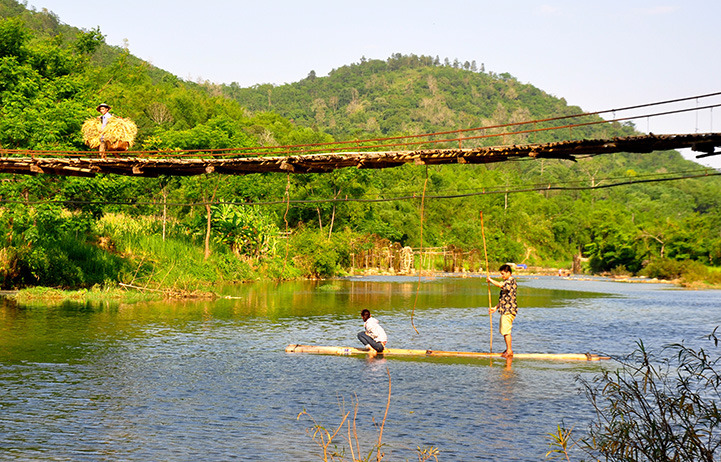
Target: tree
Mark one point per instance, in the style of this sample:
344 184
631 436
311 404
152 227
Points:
13 38
245 229
88 42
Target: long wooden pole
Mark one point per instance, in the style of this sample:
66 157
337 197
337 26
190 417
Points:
488 274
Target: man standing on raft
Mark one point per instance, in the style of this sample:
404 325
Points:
507 306
374 337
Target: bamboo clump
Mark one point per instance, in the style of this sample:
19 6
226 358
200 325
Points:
117 130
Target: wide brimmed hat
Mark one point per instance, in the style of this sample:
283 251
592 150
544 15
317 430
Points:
102 105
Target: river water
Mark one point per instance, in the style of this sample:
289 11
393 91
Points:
210 380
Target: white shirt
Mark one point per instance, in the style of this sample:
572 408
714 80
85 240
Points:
104 118
374 330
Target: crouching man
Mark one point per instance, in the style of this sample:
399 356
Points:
374 337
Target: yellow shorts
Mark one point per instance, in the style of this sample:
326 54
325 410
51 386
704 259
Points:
506 324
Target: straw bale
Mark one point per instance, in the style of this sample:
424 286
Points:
91 132
120 129
117 129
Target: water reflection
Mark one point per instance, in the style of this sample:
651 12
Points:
506 362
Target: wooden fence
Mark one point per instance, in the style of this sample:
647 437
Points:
393 258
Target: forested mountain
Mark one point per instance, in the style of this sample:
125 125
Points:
404 94
52 76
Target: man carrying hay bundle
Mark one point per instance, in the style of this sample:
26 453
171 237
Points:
105 115
109 133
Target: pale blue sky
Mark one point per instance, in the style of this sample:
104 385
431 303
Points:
596 54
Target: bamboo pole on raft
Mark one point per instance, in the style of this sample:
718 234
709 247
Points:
488 274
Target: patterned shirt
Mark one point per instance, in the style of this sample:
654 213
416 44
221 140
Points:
507 300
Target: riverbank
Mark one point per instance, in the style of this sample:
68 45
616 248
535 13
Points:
538 271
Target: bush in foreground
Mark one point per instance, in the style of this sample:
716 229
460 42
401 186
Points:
653 409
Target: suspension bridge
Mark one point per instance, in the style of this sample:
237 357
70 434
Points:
141 166
379 153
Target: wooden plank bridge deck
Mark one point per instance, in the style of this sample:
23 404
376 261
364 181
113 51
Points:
156 164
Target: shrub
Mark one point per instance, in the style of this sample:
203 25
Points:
316 255
688 271
694 271
663 268
653 409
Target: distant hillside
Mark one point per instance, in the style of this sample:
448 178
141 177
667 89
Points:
45 24
407 95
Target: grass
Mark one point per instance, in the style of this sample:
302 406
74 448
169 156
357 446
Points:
95 294
177 262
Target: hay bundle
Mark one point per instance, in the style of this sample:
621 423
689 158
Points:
118 132
91 132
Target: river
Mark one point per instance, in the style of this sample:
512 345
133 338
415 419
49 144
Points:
210 380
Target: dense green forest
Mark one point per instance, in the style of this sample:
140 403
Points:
189 232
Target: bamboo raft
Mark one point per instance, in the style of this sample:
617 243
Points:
349 351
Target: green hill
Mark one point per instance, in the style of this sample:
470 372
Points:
404 94
84 231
